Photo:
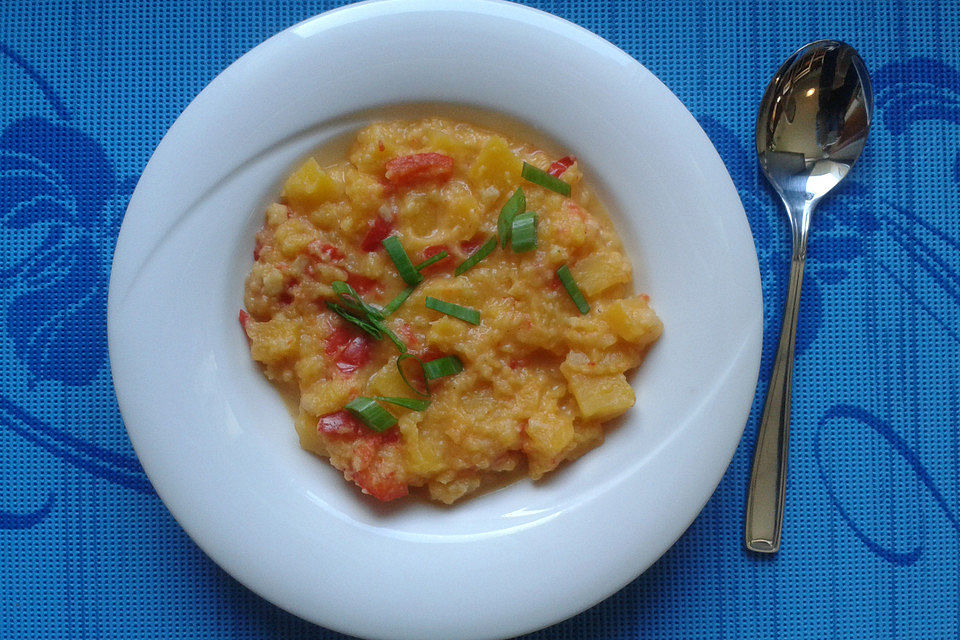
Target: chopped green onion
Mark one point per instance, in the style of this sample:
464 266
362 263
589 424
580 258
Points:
401 260
441 367
571 286
432 260
407 403
482 252
461 313
371 414
426 381
394 304
524 232
516 205
401 347
369 327
352 300
544 179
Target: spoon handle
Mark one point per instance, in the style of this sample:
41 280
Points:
765 498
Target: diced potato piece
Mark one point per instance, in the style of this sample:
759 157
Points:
276 213
274 340
549 435
310 186
387 382
606 363
601 397
293 236
326 396
496 165
443 142
633 320
422 456
588 332
600 271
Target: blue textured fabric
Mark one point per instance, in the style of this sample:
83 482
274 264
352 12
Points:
873 513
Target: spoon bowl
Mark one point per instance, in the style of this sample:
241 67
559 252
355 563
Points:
812 126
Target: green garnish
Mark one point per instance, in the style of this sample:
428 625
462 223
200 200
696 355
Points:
374 329
401 347
442 367
352 300
544 179
482 252
516 205
461 313
403 375
407 403
394 304
373 324
432 260
571 286
401 260
524 232
371 414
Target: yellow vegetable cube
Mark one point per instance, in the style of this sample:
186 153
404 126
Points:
310 186
326 396
496 165
601 397
293 236
423 456
275 340
387 382
633 320
549 436
600 271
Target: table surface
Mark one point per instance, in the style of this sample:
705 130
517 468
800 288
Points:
872 531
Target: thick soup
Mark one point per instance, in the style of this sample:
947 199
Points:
448 305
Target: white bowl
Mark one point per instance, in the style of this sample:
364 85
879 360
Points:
216 439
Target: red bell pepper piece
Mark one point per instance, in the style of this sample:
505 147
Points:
557 168
379 230
404 171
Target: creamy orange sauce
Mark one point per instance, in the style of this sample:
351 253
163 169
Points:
539 378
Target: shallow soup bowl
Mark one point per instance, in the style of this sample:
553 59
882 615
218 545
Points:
217 440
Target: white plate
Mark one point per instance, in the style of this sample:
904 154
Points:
215 438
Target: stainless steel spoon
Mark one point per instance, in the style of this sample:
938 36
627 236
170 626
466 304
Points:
813 123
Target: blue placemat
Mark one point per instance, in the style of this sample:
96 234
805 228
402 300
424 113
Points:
872 530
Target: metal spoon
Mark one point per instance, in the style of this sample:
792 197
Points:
813 123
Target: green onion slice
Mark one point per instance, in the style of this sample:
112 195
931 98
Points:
544 179
352 300
371 414
401 347
482 252
442 367
368 326
401 260
403 375
571 286
516 205
407 403
524 232
394 304
432 260
461 313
